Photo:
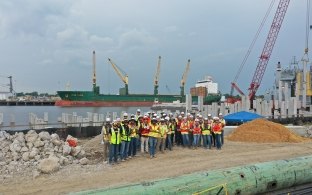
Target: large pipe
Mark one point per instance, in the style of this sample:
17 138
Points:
250 179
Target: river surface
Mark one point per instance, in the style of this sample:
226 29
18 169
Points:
20 114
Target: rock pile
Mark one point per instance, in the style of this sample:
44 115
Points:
264 131
42 152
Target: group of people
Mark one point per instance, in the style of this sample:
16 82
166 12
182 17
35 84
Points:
152 133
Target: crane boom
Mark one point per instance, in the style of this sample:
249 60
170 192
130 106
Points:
268 47
123 76
184 76
156 78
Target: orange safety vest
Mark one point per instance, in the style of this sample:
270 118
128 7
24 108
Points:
216 128
145 130
196 130
184 128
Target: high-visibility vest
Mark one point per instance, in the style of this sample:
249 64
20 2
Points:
133 131
163 130
216 128
145 129
196 130
105 132
206 129
184 128
125 133
115 137
154 131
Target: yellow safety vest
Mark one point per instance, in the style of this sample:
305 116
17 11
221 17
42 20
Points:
163 130
133 131
115 138
154 131
125 137
206 130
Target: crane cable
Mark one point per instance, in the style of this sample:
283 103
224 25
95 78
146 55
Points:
254 40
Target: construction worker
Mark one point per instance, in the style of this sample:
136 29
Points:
222 121
170 135
178 135
137 115
196 133
115 140
163 128
125 140
190 119
144 130
133 138
153 135
213 137
217 128
206 133
106 138
184 128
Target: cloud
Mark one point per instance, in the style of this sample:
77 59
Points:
135 39
170 29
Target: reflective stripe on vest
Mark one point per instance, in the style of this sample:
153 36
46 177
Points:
115 138
154 132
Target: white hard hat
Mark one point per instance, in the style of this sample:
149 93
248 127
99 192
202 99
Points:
167 118
220 114
182 112
108 119
125 114
138 110
209 114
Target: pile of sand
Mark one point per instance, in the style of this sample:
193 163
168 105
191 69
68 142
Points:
264 131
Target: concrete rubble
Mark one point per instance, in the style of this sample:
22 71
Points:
43 153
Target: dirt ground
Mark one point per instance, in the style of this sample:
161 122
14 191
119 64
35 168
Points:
74 178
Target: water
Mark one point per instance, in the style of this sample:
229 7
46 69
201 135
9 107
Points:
20 114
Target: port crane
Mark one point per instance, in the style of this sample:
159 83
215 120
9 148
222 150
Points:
10 85
184 77
96 89
156 78
123 76
266 52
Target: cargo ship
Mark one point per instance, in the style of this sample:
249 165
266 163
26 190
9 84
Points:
93 98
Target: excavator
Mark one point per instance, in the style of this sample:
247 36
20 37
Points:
123 76
265 55
184 77
156 78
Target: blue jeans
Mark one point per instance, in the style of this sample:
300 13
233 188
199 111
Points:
218 141
207 141
222 137
196 139
185 139
133 146
152 145
169 141
113 152
124 149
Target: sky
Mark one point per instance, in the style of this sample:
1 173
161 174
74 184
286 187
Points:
47 45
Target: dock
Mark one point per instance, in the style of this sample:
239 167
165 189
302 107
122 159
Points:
26 103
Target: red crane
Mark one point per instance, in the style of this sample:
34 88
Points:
266 52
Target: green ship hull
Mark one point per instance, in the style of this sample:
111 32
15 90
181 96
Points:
90 98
